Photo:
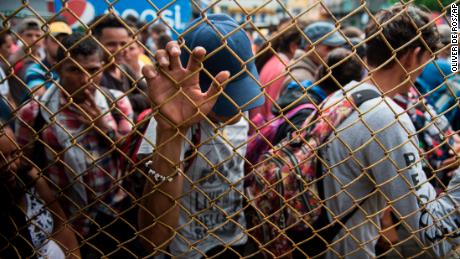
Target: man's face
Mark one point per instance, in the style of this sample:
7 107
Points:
52 45
155 36
133 52
82 74
113 40
7 48
30 38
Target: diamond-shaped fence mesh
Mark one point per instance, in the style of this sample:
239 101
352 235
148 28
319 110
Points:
228 128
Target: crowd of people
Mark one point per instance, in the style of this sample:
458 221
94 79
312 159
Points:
121 142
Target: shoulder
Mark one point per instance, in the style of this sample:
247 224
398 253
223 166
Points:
381 113
35 68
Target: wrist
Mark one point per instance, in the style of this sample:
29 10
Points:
169 135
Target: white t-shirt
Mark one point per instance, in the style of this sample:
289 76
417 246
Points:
4 86
388 165
41 227
212 201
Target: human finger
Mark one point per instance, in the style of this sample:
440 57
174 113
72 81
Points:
162 58
216 87
173 50
149 72
195 61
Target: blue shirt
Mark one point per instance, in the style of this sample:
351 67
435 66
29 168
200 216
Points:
37 75
442 90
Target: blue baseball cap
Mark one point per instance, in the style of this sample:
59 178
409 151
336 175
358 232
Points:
244 90
318 30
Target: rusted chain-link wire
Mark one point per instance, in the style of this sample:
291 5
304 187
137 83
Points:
111 144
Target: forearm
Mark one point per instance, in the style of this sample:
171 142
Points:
66 239
62 232
159 212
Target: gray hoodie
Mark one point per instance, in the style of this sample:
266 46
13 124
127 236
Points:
385 168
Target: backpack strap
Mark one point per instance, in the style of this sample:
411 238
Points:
363 96
291 113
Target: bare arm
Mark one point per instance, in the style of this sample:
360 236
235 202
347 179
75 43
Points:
159 212
62 232
179 103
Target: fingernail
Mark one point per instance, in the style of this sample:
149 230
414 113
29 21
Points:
175 50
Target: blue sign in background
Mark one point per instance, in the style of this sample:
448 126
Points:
175 13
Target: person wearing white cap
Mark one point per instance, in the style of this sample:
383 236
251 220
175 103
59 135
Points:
30 36
30 31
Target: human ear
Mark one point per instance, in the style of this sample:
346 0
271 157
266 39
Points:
410 60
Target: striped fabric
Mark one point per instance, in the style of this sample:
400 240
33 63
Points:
38 75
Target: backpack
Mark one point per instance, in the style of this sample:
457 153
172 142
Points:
263 140
285 191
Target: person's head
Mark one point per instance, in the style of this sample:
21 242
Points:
156 30
80 63
162 40
353 32
9 154
30 33
289 41
113 35
6 43
131 21
342 67
444 32
230 52
323 37
358 44
283 23
133 51
401 39
57 31
286 42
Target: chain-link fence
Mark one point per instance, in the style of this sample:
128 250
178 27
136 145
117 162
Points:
208 129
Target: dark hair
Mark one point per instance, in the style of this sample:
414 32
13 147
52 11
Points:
343 65
280 43
4 33
396 26
105 21
353 32
163 39
158 28
131 20
358 44
78 44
